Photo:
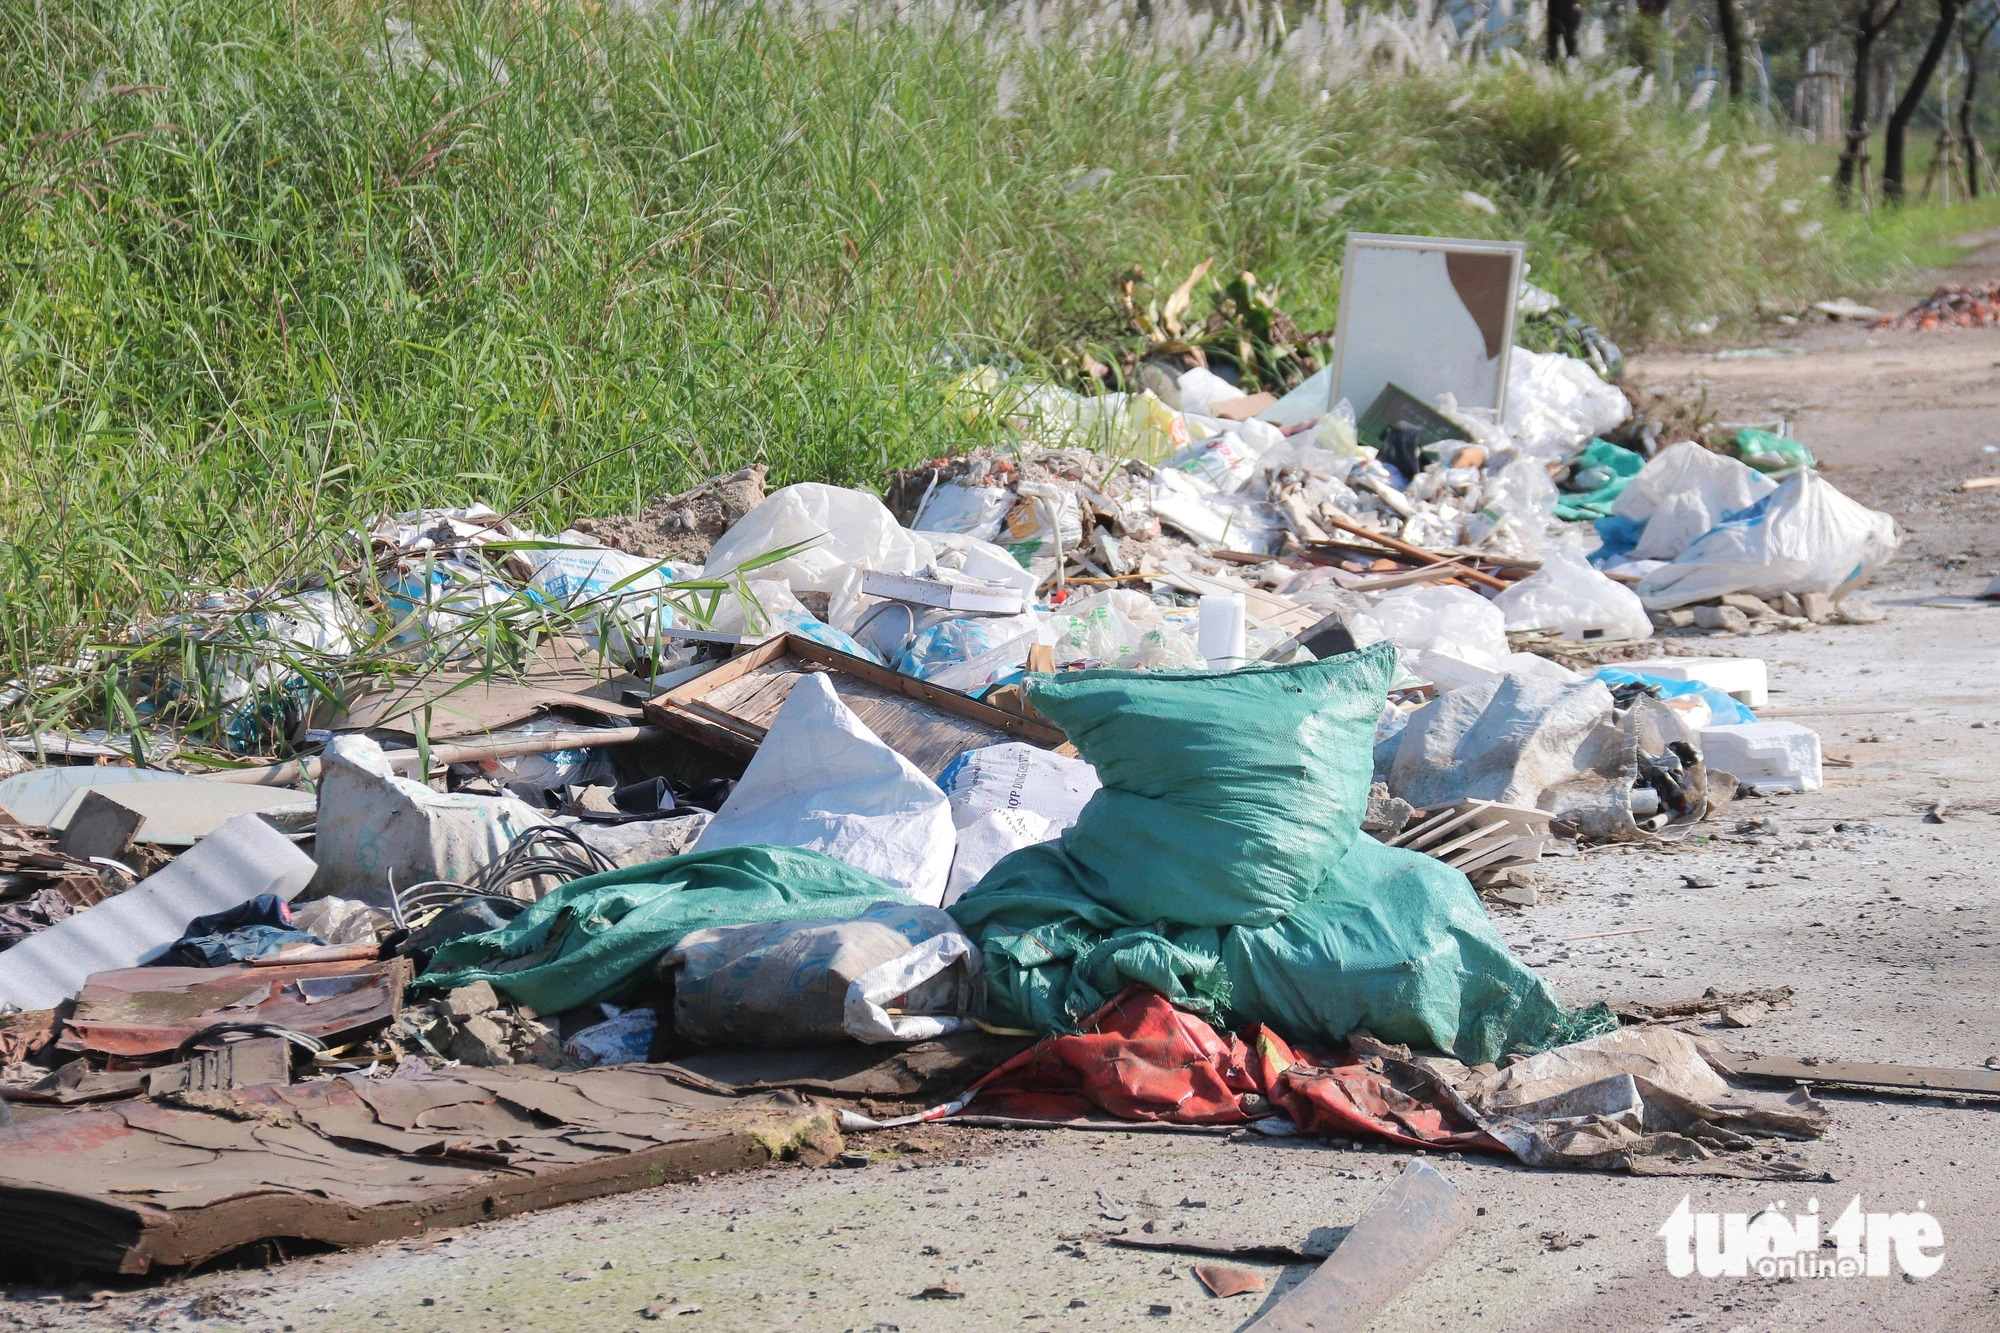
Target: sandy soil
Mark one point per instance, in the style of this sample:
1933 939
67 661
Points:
1885 925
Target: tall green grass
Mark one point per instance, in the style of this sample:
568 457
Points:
275 268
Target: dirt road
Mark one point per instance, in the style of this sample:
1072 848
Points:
1885 925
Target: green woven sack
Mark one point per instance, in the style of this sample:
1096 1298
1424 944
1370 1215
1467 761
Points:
1228 795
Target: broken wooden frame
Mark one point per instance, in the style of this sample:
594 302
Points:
730 708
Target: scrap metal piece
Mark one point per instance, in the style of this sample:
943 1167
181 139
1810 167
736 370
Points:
1408 1228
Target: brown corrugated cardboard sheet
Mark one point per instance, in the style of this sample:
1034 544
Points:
147 1185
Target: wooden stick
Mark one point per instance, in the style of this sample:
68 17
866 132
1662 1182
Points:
1607 934
545 742
1978 483
1402 547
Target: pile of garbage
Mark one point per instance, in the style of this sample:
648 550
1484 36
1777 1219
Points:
1195 712
1952 306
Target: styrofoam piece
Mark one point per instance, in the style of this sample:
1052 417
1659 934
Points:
243 858
979 595
1743 679
1780 756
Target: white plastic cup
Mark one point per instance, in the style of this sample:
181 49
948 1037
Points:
1219 630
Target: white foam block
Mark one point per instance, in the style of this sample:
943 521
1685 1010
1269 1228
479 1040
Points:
1776 755
243 858
1741 678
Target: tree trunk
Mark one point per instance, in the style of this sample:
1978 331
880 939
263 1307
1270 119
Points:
1565 29
1975 54
1966 141
1869 22
1732 46
1913 96
1647 33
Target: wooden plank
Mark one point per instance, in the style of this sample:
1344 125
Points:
1909 1078
1526 848
945 701
1403 1233
1401 547
701 709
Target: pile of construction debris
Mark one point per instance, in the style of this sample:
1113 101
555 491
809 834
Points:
1952 306
888 776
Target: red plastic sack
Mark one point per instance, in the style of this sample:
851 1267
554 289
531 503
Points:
1140 1058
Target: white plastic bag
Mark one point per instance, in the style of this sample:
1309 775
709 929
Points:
614 595
938 648
1183 503
823 781
1121 628
340 920
1556 403
850 531
954 506
1045 520
1803 537
1451 621
1681 494
772 608
1223 463
1567 595
1201 389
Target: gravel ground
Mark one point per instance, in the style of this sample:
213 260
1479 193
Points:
1882 921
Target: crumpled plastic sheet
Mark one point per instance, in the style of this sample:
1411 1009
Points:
1803 537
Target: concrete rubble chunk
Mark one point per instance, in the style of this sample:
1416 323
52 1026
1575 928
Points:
483 1042
471 1001
1854 609
1723 618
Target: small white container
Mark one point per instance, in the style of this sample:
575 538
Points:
1219 630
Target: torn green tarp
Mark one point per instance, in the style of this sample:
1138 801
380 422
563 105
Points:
1367 936
1396 943
1599 458
592 938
